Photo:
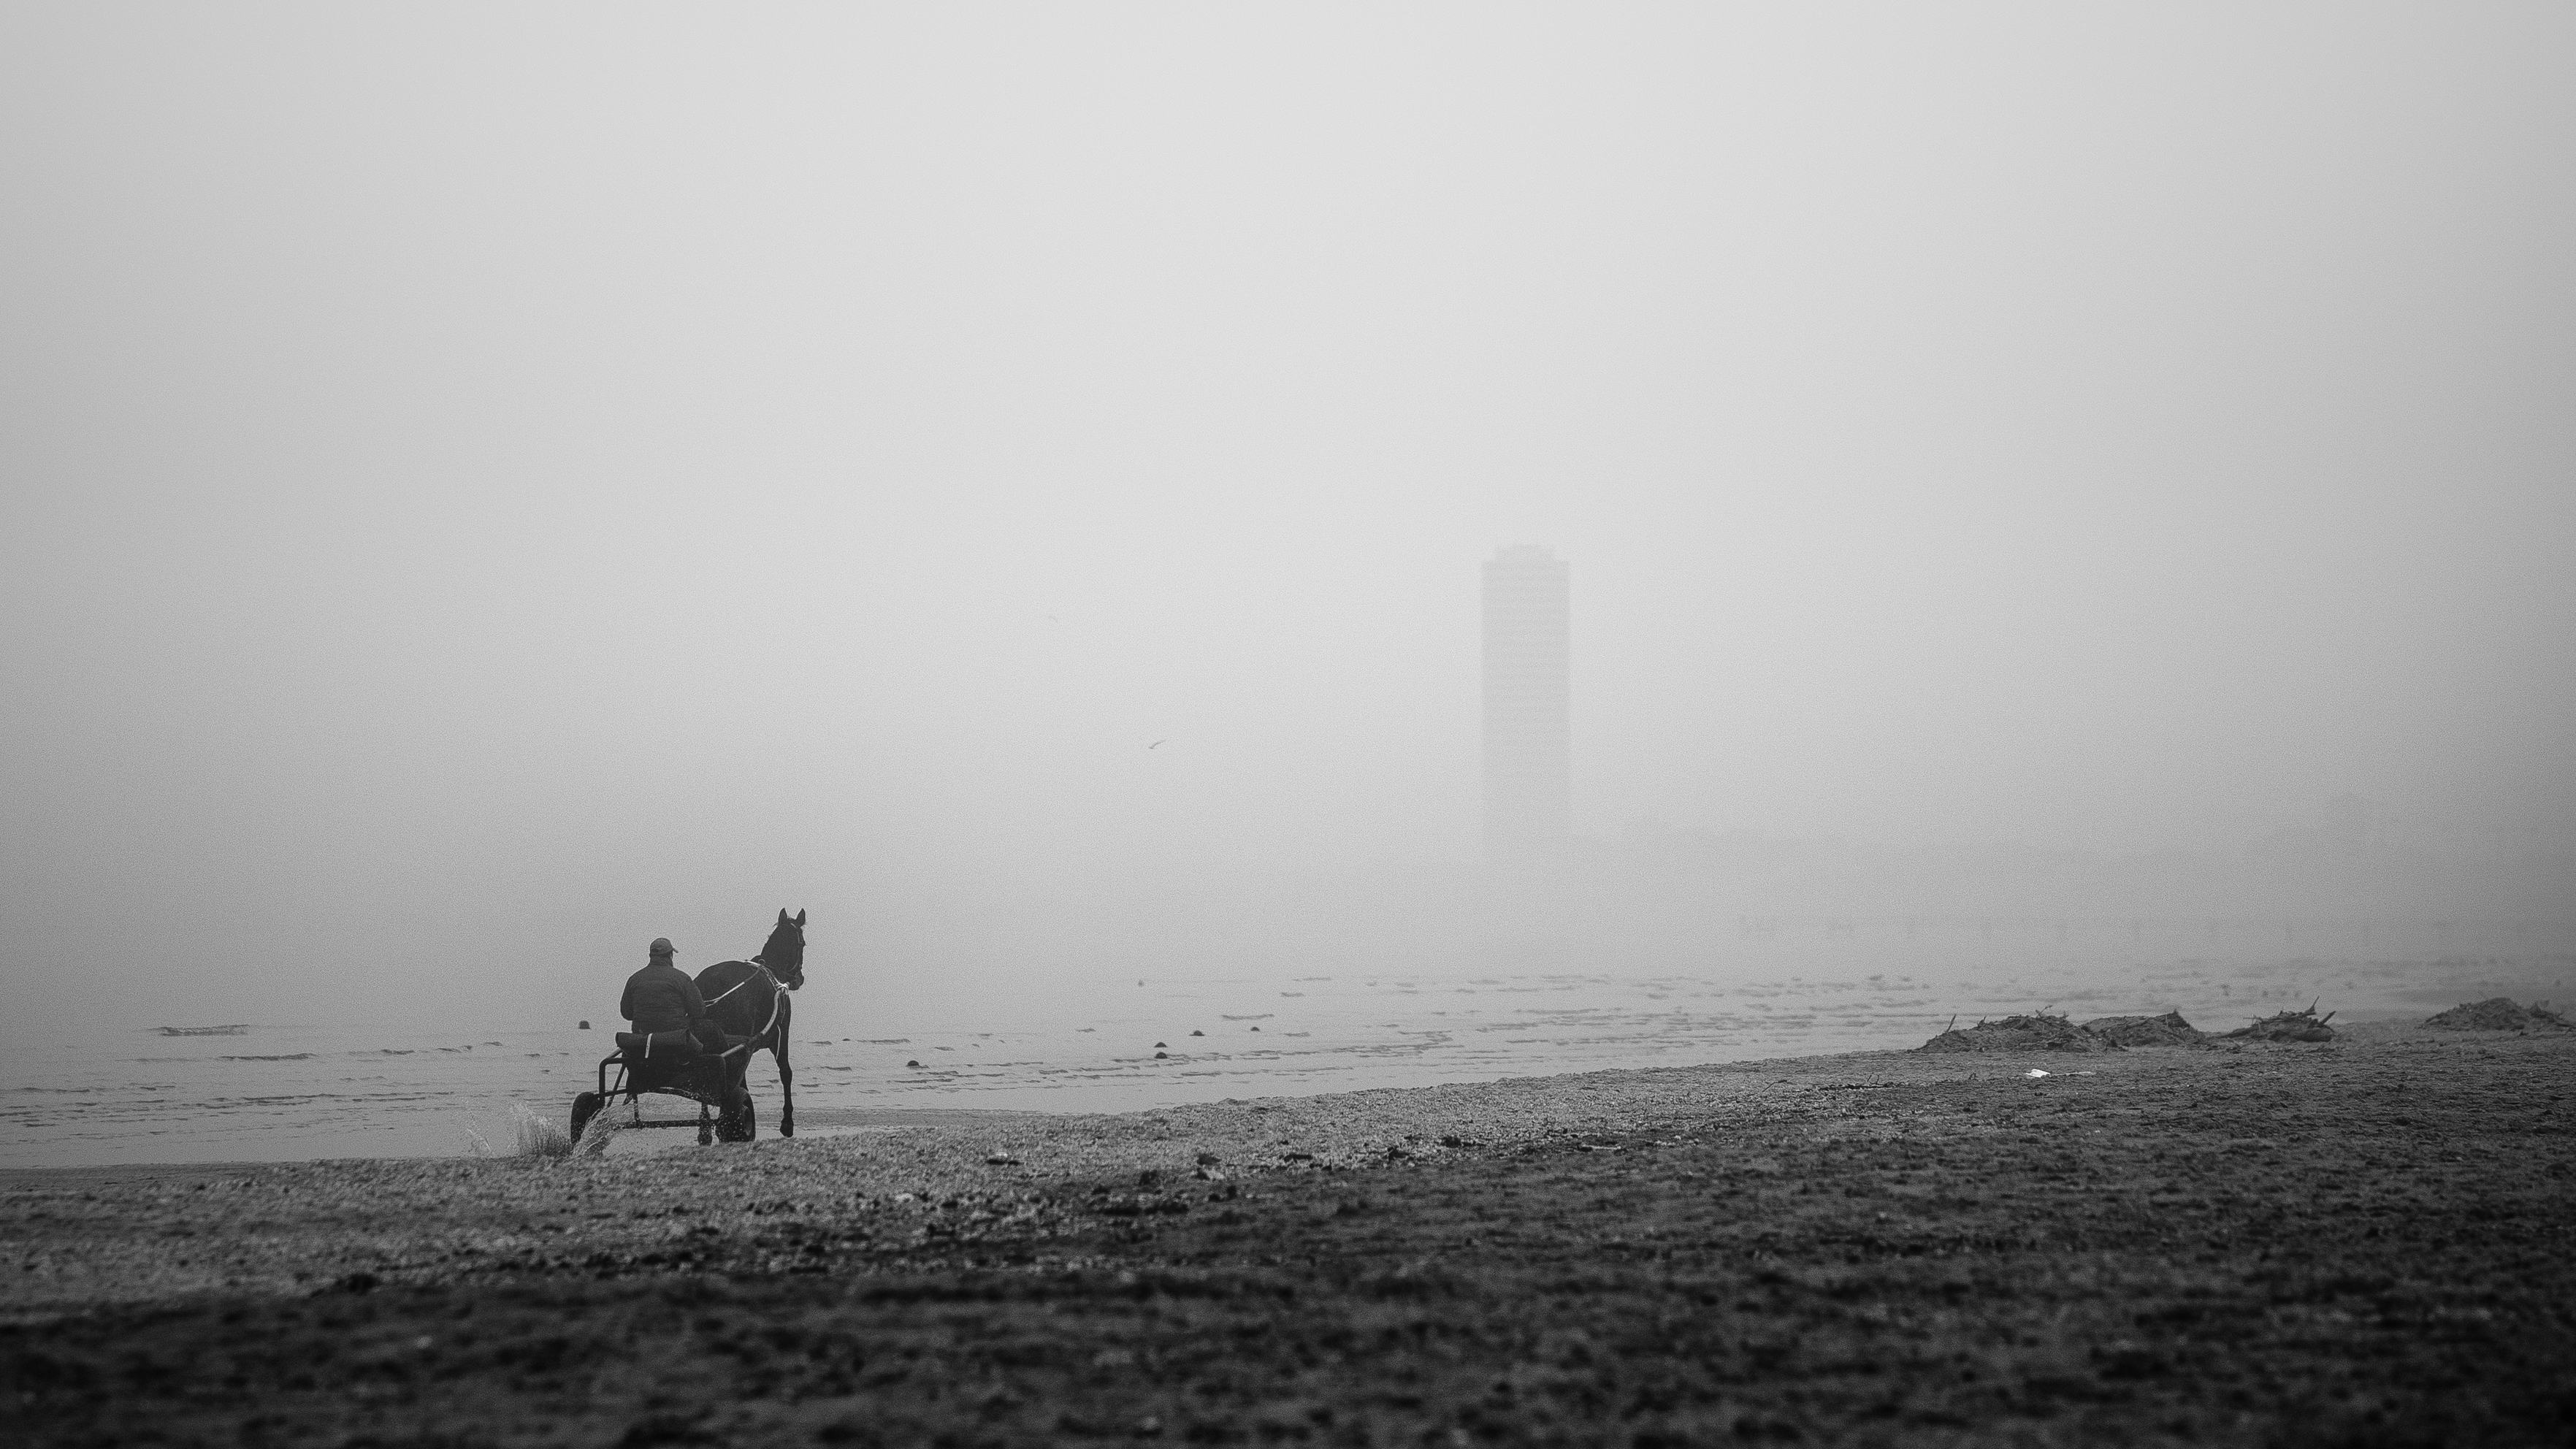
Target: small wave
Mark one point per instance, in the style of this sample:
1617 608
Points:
235 1029
288 1057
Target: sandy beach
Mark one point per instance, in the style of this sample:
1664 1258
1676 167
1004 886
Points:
2358 1242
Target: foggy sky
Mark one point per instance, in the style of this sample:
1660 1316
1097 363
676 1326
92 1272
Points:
488 487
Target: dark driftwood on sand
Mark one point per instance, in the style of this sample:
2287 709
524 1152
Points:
2500 1013
2289 1026
2037 1032
2147 1031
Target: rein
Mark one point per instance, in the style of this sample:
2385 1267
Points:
777 1003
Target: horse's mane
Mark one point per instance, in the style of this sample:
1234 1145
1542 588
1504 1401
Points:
740 993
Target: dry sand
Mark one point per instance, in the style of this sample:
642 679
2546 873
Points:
2362 1241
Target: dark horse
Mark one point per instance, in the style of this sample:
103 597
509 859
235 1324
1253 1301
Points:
749 999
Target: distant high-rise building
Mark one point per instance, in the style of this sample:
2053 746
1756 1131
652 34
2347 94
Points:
1529 744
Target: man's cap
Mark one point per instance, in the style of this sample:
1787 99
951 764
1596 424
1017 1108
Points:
662 946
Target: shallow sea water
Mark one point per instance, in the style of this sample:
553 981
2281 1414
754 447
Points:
285 1091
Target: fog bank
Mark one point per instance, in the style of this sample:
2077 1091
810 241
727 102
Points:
488 489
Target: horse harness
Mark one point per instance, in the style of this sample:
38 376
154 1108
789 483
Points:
777 1003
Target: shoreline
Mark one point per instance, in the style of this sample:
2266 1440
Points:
2158 1245
845 1118
427 1090
2379 1029
839 1119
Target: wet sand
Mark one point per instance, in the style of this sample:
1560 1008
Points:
2367 1241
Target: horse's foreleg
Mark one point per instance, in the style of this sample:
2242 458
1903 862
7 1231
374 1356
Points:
786 1086
786 1094
786 1072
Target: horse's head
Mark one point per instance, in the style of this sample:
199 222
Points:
785 953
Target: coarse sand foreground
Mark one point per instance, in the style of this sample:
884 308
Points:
2360 1242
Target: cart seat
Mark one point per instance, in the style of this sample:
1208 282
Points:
667 1046
673 1046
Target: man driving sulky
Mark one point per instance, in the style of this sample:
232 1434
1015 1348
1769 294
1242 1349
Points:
661 998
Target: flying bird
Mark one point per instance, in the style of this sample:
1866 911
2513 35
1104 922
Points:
1155 745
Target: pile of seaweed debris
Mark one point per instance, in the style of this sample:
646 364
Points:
2290 1026
2037 1032
2147 1031
2499 1013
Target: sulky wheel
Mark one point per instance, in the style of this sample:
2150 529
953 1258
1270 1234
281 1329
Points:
585 1107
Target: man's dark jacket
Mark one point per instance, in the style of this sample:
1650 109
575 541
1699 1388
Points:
661 997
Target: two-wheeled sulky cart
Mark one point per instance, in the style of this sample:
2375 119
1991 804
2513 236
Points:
669 1065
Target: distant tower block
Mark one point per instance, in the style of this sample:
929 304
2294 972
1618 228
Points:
1529 751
